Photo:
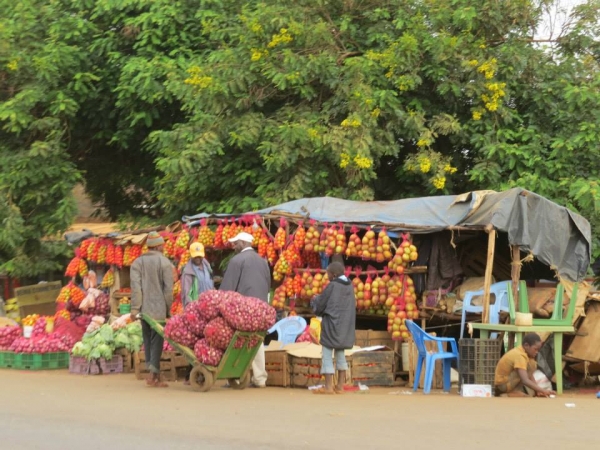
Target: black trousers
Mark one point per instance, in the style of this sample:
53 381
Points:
153 345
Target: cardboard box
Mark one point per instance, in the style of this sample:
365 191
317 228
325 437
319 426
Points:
38 298
476 390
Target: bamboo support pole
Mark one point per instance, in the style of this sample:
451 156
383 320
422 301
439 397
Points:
515 276
489 267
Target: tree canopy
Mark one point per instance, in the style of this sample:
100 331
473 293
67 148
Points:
172 108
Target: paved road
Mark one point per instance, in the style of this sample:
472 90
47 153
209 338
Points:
55 410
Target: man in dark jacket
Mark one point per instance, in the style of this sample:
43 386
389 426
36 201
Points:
249 274
152 294
337 306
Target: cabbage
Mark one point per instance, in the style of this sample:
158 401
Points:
106 351
81 349
106 332
122 339
135 343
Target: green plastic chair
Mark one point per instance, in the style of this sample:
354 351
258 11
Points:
557 316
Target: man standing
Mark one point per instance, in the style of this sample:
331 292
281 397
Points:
196 276
249 275
515 370
152 294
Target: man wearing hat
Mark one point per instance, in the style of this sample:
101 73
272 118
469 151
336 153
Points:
152 294
196 276
249 274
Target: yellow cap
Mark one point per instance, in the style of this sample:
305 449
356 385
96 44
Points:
197 250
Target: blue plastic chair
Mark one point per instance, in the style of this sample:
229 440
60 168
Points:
429 357
500 291
289 329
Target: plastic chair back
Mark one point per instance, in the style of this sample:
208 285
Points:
502 303
557 314
289 329
419 336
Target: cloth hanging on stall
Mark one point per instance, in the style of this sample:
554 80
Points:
443 265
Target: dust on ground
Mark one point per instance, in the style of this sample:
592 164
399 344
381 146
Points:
56 410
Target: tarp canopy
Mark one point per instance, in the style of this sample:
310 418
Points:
556 236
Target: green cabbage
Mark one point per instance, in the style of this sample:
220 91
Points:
106 351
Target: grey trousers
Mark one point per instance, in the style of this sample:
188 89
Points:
153 345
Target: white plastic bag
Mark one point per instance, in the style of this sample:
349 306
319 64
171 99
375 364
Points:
542 380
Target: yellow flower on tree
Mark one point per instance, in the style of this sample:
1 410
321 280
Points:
439 182
448 168
257 54
376 112
344 160
425 164
476 115
362 162
422 143
12 65
283 37
197 78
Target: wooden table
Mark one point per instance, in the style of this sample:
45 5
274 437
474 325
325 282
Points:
557 331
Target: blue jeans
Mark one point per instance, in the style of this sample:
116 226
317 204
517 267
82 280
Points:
327 361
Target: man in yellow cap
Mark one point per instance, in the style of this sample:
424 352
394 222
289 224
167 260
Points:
196 276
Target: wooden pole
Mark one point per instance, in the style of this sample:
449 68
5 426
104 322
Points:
515 273
489 266
515 276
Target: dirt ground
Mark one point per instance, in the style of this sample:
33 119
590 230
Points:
56 410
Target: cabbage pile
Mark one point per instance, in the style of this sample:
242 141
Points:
129 337
102 342
97 344
208 325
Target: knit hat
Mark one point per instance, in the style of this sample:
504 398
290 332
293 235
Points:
197 250
154 239
243 236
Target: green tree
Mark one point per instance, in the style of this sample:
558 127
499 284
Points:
36 106
377 100
225 106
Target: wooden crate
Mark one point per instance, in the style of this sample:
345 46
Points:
368 338
127 356
169 363
306 372
278 368
374 368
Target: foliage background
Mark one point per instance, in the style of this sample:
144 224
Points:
166 108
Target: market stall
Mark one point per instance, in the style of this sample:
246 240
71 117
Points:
406 258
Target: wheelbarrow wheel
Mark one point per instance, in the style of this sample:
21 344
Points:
201 378
240 383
